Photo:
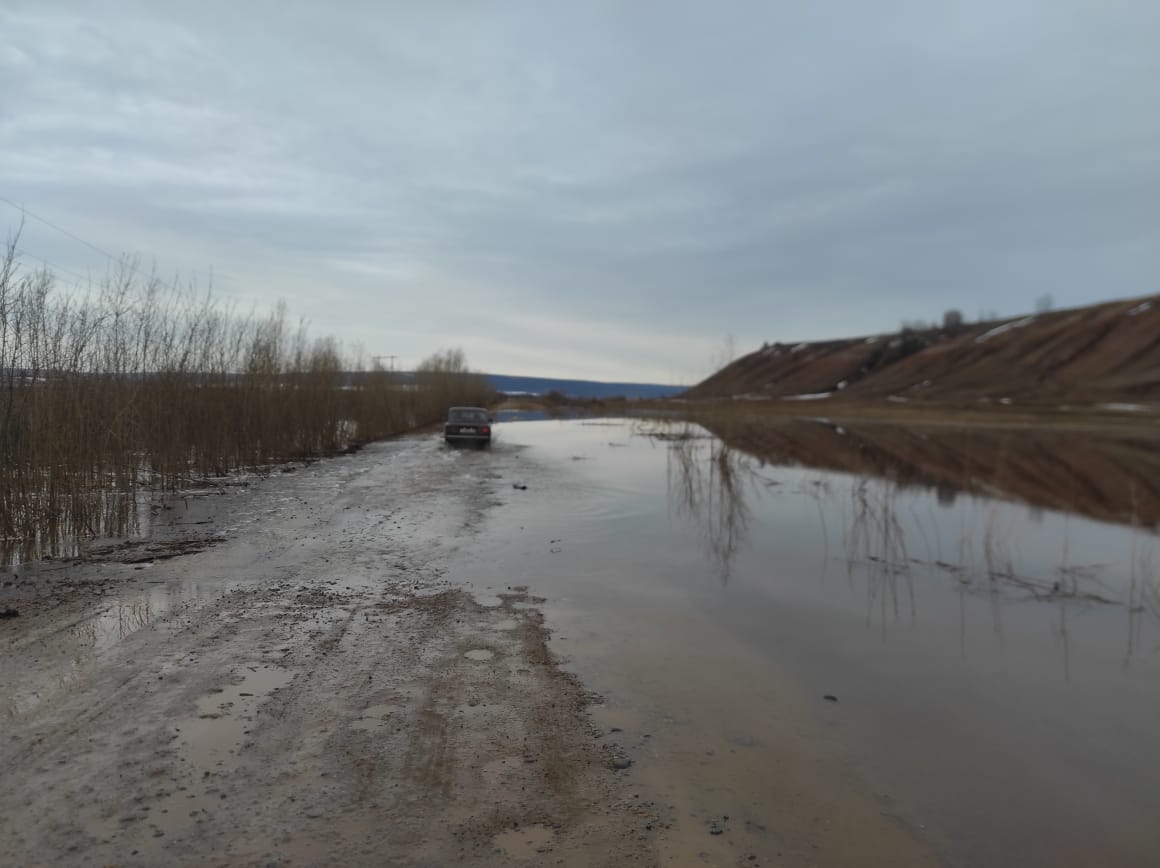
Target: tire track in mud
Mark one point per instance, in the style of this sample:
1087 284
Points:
430 756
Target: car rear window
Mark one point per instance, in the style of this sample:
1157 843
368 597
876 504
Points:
468 416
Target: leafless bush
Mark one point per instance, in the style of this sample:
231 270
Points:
131 383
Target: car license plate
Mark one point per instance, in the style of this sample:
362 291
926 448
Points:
466 430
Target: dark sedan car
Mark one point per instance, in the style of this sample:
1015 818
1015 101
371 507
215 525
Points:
468 425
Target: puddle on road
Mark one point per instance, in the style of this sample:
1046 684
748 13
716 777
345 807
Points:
125 616
95 628
209 743
208 747
479 654
985 605
208 740
529 842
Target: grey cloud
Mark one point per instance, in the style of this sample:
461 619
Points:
662 171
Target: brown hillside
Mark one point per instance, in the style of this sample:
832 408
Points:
1103 353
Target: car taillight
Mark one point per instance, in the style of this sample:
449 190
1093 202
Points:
485 430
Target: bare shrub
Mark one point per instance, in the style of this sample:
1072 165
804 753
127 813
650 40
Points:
128 384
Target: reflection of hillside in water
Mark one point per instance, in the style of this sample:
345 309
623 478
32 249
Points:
895 541
1109 476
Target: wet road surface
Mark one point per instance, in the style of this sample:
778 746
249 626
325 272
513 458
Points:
309 690
797 666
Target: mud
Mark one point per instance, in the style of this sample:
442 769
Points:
308 690
146 551
396 657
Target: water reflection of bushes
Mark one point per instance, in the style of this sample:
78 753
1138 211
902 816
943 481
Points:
985 567
707 484
39 524
876 542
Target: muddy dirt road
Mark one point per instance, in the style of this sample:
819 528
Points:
597 643
309 689
319 669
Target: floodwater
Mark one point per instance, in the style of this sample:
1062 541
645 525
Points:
979 654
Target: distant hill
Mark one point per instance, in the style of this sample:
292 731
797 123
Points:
1102 353
580 388
514 385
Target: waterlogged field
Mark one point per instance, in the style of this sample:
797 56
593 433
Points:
952 636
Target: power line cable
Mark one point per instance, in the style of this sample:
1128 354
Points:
60 229
54 266
125 261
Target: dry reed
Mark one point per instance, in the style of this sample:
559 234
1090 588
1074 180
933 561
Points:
131 385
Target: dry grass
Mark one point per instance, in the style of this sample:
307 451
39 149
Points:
131 384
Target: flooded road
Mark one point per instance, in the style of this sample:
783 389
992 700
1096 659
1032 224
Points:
834 647
983 673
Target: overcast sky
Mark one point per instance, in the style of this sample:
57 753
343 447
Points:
600 190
